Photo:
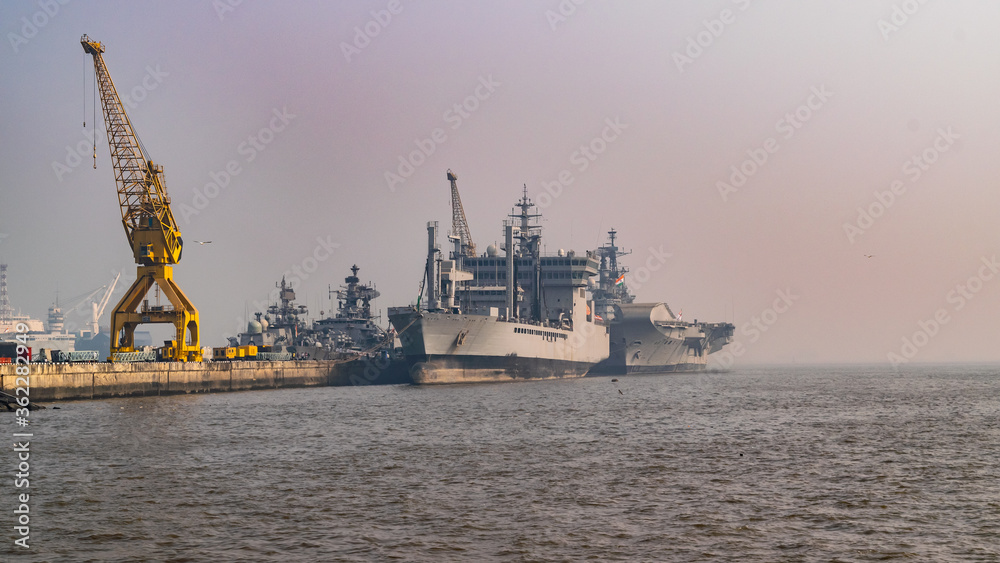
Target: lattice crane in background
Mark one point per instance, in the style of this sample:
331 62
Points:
459 225
150 228
97 308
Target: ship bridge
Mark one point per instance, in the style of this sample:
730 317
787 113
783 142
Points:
561 277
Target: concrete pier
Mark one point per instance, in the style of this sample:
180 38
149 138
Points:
51 382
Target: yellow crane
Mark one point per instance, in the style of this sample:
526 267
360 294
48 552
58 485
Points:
150 228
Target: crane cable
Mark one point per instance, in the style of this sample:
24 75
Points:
95 120
141 147
84 90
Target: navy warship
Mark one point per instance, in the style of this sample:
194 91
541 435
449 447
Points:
492 318
648 337
352 334
354 329
351 331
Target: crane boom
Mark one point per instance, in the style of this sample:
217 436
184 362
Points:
459 224
98 308
142 192
149 226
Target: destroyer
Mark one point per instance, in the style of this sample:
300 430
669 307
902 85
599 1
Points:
351 336
351 332
648 337
488 318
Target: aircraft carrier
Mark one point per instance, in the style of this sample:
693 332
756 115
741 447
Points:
492 318
648 337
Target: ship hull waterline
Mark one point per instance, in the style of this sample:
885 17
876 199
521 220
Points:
434 370
446 349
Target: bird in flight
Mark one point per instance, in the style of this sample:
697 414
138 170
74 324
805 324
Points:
869 255
202 243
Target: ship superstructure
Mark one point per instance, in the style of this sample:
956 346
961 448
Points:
278 329
352 331
521 315
648 337
353 328
611 289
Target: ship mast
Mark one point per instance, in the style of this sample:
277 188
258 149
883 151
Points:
350 295
613 252
609 291
529 237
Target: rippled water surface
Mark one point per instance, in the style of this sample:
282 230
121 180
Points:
785 463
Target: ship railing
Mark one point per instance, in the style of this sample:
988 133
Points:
534 323
129 357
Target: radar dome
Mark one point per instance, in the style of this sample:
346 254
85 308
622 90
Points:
254 327
491 251
264 324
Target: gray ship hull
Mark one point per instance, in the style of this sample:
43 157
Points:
455 348
647 339
492 369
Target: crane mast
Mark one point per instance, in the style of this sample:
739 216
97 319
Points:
459 225
150 229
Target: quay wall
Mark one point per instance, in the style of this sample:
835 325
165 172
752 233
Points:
51 382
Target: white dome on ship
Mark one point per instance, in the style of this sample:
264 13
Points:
254 327
264 324
491 250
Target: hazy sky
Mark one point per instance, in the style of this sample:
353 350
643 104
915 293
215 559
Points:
647 110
